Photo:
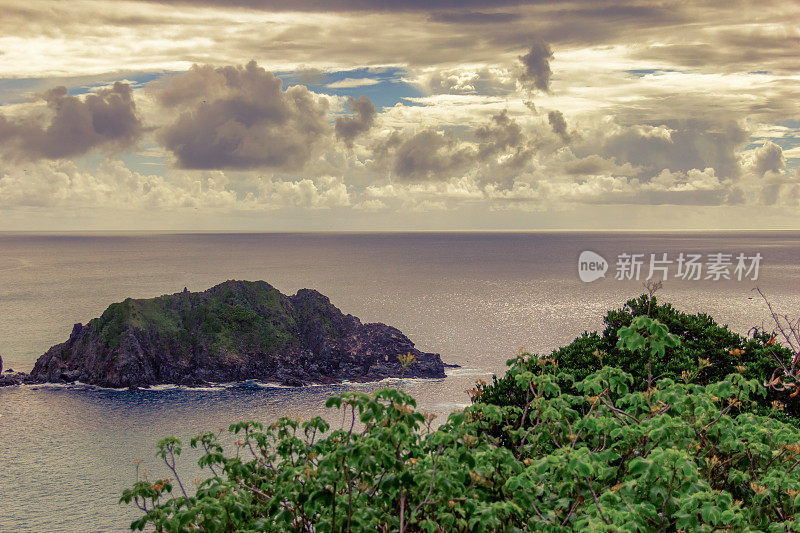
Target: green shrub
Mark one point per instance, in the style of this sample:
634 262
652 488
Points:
706 352
676 457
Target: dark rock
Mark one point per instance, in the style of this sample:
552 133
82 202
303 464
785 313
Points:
235 331
9 377
70 375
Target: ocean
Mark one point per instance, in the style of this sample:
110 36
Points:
67 452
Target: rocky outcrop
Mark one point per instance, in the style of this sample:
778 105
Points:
238 330
9 377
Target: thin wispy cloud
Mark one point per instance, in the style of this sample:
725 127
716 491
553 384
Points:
349 83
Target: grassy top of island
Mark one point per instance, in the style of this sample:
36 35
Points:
254 311
663 422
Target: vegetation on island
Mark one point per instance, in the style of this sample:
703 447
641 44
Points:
664 422
228 317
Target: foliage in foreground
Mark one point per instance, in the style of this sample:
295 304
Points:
705 353
607 457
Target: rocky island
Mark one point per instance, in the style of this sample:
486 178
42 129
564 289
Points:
235 331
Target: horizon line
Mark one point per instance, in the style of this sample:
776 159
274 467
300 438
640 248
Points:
377 232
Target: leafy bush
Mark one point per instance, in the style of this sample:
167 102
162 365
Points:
706 352
679 456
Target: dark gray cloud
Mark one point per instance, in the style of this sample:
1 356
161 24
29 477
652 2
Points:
592 165
679 145
503 136
559 125
768 158
423 156
536 66
74 125
239 117
500 145
472 17
348 128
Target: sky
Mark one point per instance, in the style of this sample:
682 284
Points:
378 115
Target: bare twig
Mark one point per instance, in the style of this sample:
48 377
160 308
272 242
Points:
790 331
171 465
433 476
596 502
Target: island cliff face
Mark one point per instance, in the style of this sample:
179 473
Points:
237 330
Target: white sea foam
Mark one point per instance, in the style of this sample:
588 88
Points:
466 372
450 406
257 384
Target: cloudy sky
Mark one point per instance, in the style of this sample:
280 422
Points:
384 115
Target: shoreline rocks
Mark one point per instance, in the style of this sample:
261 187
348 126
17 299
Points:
9 377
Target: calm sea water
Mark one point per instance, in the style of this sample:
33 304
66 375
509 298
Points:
66 453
